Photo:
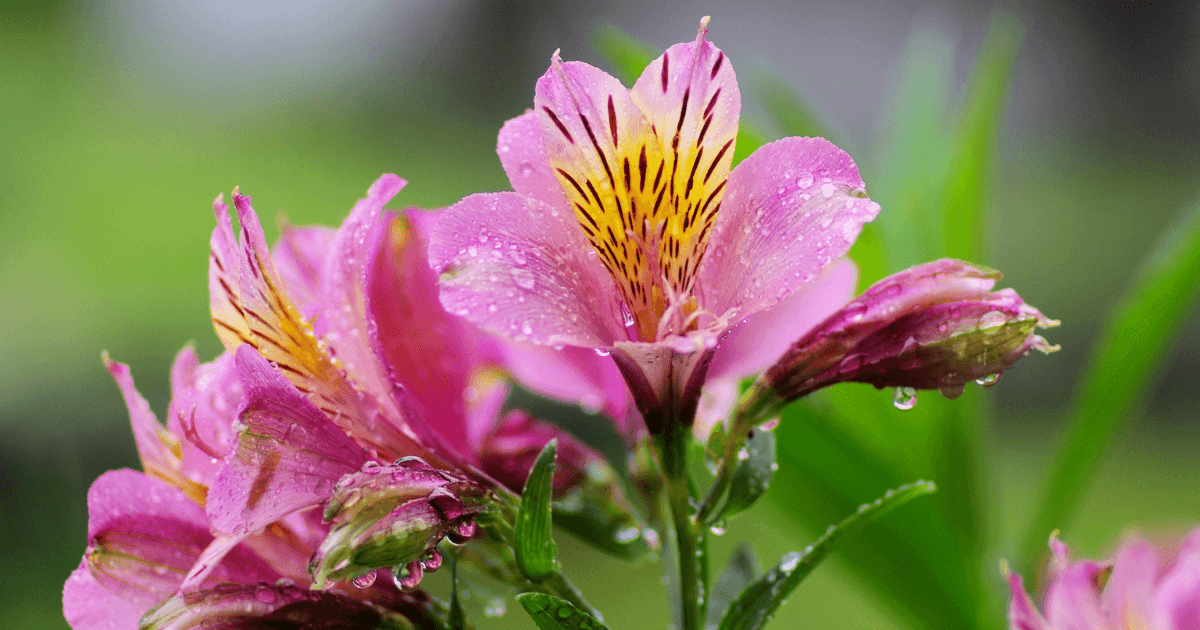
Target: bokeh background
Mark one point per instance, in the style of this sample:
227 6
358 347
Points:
120 120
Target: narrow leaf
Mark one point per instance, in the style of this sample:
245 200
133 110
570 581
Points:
532 542
627 56
1125 361
965 196
749 139
790 113
752 475
743 568
759 601
552 613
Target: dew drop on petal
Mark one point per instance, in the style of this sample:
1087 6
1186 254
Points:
951 391
523 277
904 398
827 190
804 180
364 581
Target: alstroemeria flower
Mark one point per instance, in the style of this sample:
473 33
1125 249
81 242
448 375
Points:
937 325
628 232
338 355
1141 588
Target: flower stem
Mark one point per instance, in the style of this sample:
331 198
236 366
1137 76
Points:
756 406
558 585
688 536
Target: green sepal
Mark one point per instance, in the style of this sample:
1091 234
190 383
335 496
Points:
552 613
532 543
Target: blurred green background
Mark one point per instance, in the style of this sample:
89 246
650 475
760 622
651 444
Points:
120 120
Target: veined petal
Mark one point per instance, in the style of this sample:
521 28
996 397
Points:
519 268
251 307
159 449
265 605
205 400
427 352
691 98
287 456
791 209
89 606
143 536
523 156
757 342
609 164
299 256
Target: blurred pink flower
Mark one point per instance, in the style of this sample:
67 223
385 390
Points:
1141 588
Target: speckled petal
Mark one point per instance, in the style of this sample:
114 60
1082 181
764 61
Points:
520 268
791 209
756 343
205 399
287 456
523 156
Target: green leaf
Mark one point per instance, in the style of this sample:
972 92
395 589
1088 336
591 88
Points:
598 521
552 613
965 195
749 139
457 620
1125 361
751 477
742 569
532 542
627 56
758 601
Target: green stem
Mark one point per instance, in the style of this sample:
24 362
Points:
756 406
724 476
687 534
559 586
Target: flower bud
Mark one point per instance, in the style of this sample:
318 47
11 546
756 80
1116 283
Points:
394 516
933 326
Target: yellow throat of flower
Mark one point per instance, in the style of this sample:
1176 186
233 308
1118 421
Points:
647 182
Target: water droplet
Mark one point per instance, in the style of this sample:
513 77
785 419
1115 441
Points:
904 398
364 581
781 190
992 319
626 535
409 576
264 594
951 391
504 148
563 612
523 277
743 455
518 257
789 562
526 329
526 169
990 380
851 363
827 190
370 468
433 561
718 528
601 352
495 608
804 180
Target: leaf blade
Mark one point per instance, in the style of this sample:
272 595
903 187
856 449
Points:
754 607
552 613
532 541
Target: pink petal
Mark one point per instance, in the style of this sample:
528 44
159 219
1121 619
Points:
757 342
717 401
510 450
523 156
89 606
264 605
426 351
1022 615
205 400
253 308
299 257
574 375
520 268
1177 603
158 448
1072 601
344 288
288 455
791 209
1126 600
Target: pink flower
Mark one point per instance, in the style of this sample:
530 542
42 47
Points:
628 232
1140 589
338 356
